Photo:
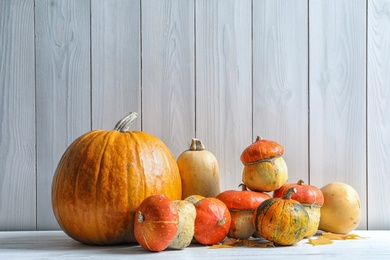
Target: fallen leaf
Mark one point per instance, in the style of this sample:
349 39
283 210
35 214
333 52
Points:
255 243
321 240
231 241
227 243
222 246
333 236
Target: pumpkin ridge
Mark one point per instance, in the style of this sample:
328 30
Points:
140 162
99 175
109 171
288 225
80 156
264 207
133 136
83 142
273 213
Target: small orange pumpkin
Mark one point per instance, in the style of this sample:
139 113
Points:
212 221
283 221
156 223
242 205
264 167
103 177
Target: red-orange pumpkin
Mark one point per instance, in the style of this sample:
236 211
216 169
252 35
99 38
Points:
212 221
306 194
283 221
103 177
242 205
311 199
156 223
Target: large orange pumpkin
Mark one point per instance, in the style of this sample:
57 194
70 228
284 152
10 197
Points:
104 176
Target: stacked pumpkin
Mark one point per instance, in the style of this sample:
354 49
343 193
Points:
283 219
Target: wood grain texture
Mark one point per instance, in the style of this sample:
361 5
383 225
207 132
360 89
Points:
378 105
17 116
116 62
223 83
280 80
337 95
168 82
62 87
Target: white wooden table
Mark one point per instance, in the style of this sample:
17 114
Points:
57 245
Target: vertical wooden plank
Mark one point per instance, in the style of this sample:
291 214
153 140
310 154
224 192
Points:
116 68
223 83
168 71
63 89
17 116
337 94
378 106
280 79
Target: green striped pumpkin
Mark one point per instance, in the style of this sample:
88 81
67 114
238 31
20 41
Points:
283 221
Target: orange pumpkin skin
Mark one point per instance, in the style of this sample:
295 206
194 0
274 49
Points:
306 194
212 221
103 177
261 149
242 200
156 223
241 205
283 221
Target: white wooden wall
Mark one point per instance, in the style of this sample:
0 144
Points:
313 75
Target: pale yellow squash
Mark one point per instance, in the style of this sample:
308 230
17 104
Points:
199 171
186 227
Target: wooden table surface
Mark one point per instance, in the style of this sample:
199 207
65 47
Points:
57 245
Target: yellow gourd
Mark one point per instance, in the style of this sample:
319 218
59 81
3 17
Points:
199 171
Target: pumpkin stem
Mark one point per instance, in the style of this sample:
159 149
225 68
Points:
258 138
140 217
289 193
221 222
196 145
124 124
300 182
243 187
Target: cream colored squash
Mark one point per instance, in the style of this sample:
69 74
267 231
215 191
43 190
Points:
341 212
199 171
186 227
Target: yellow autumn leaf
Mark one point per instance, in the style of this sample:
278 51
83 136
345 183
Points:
333 236
254 243
227 243
321 240
222 246
231 242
